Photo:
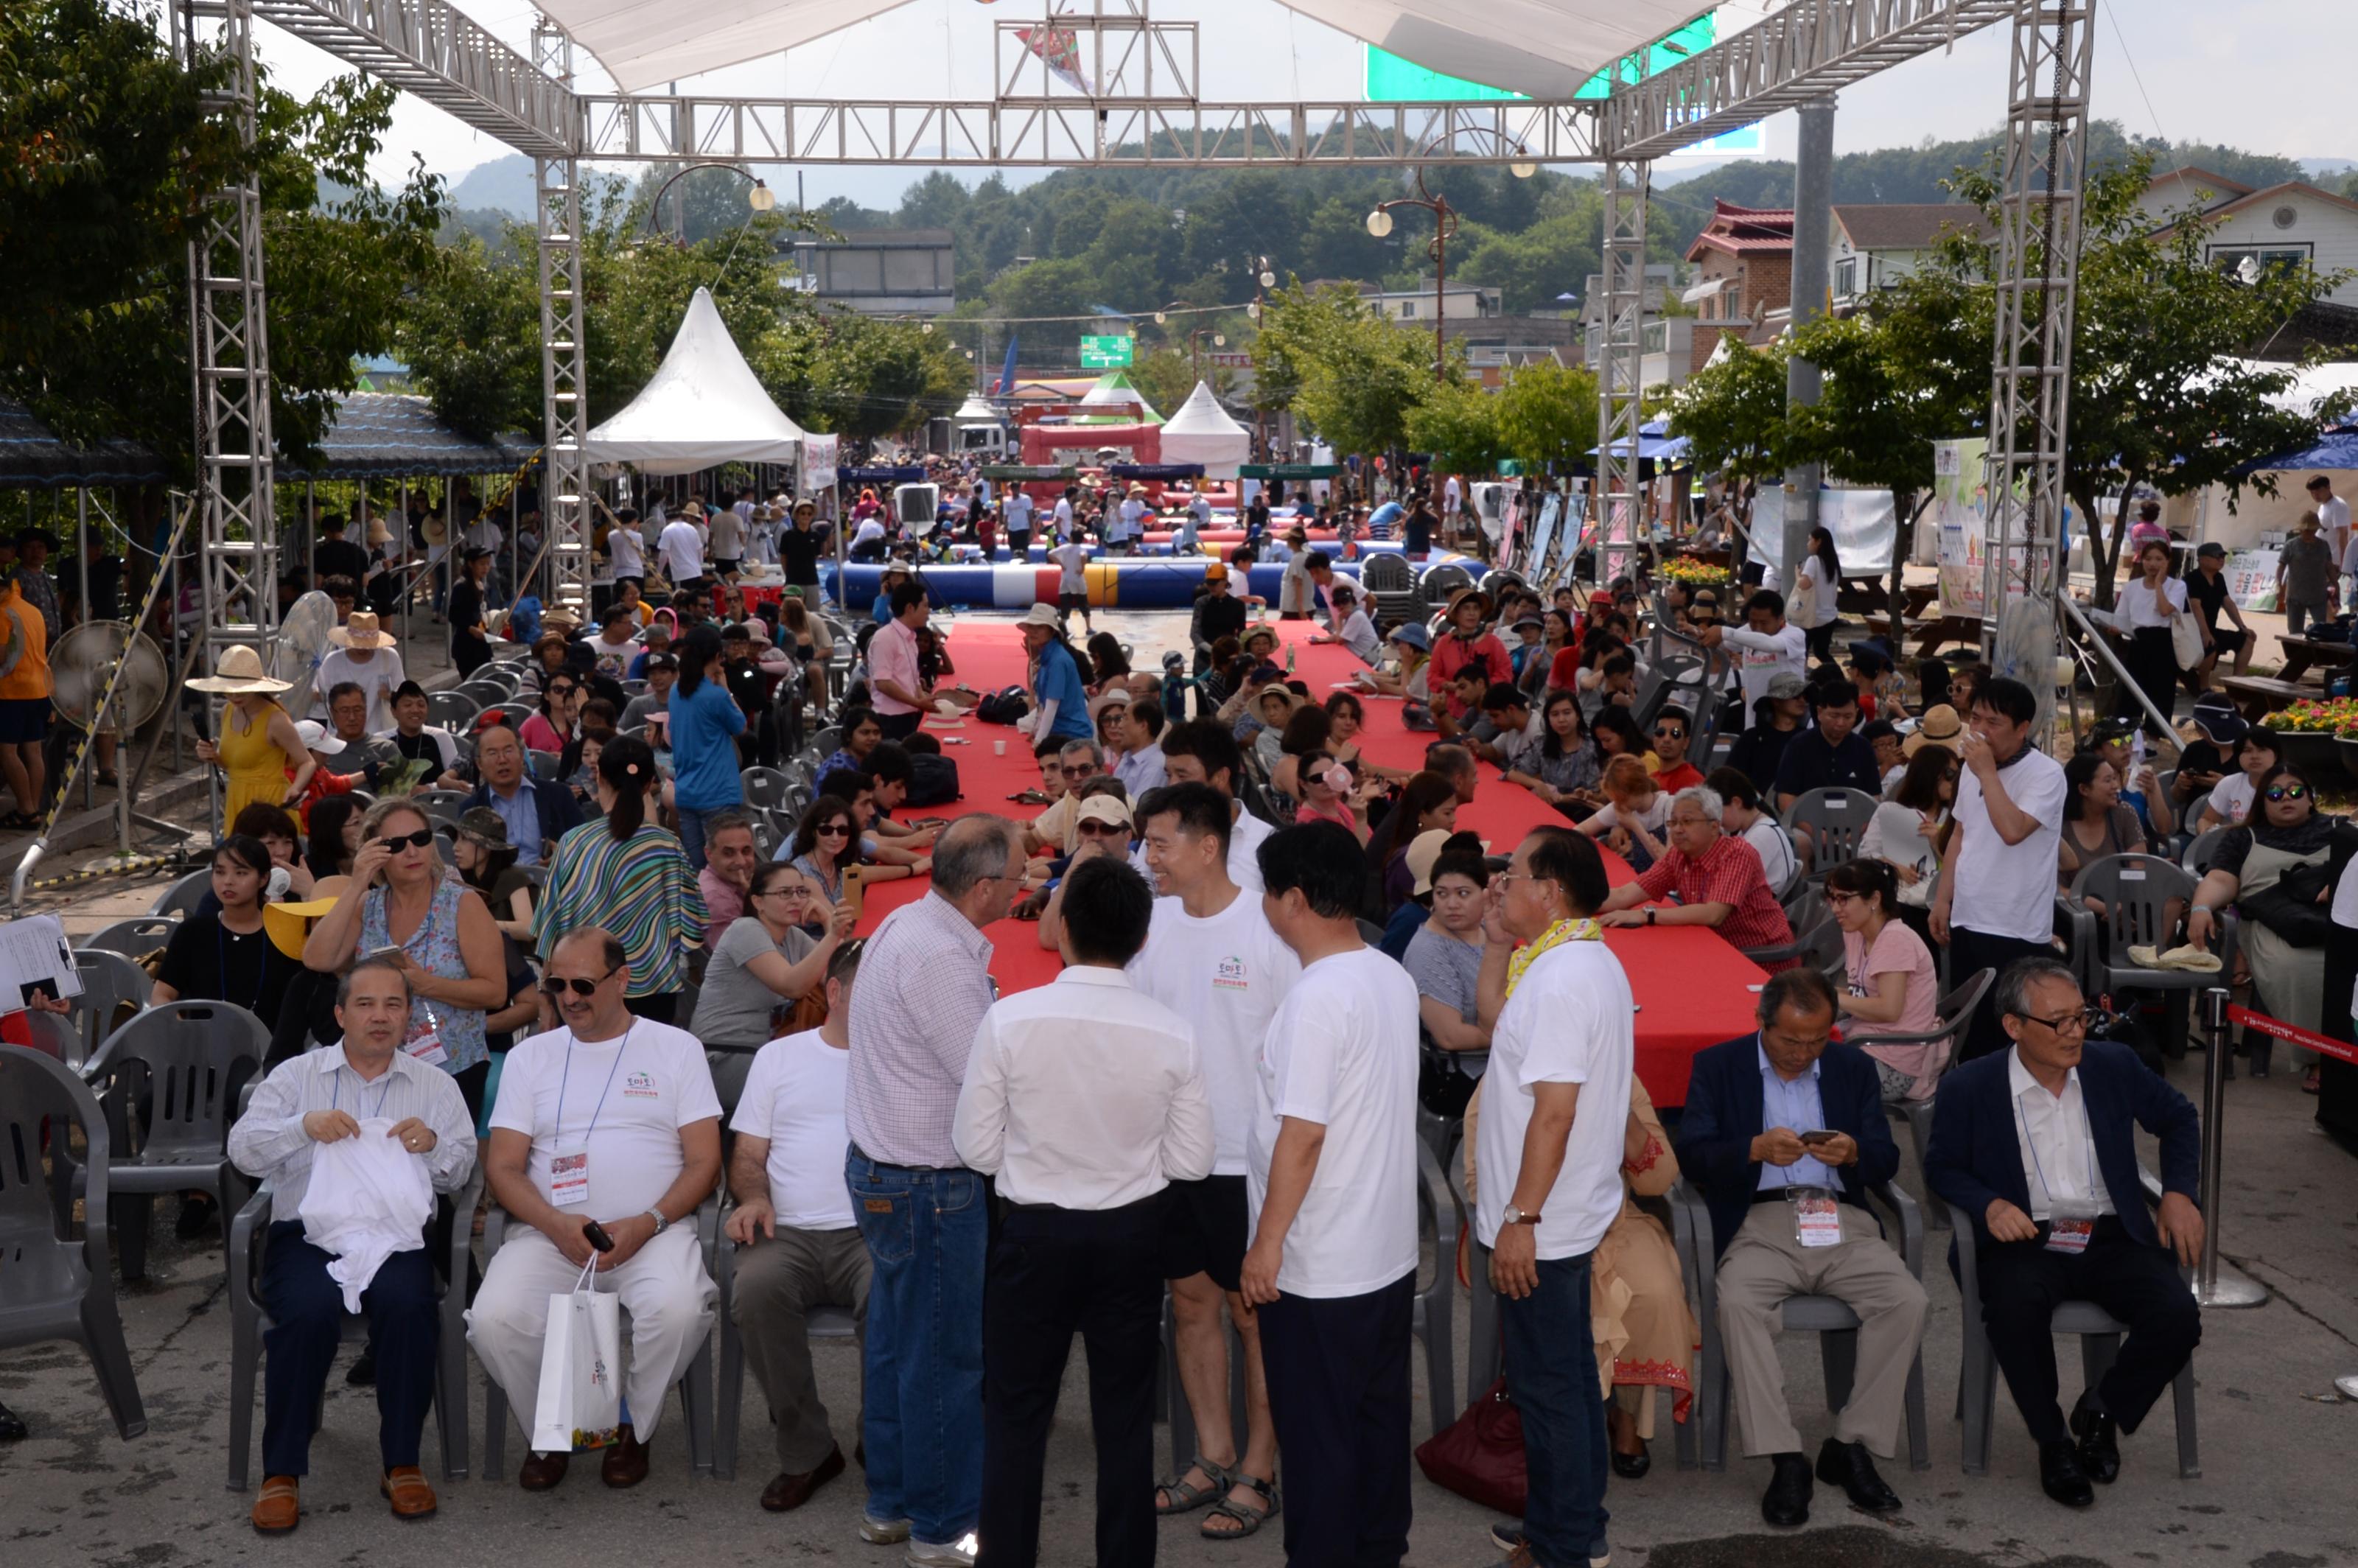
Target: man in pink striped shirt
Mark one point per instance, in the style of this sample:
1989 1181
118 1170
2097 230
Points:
896 691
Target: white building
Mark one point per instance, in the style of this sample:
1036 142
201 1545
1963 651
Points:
1876 246
2292 224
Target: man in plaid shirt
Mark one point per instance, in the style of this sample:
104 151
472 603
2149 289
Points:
1717 879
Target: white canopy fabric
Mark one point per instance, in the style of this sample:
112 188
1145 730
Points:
1116 391
1202 432
975 408
704 407
1543 48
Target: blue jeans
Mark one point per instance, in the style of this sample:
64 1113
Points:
691 832
927 1233
1551 1372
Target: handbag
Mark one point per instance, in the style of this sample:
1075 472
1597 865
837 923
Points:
2185 640
2288 908
580 1402
1442 1085
1479 1455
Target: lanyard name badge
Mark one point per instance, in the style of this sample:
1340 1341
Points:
1817 1216
2070 1221
568 1165
425 1042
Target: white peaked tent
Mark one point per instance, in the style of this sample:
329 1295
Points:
1202 432
704 407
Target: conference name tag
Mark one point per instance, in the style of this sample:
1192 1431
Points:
1817 1217
568 1177
2071 1226
428 1049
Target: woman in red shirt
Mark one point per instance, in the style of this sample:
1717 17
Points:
1467 643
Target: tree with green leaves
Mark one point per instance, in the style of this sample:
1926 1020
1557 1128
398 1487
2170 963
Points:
1348 373
1732 412
1547 414
1457 423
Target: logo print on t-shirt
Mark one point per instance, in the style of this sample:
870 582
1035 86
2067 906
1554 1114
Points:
641 1085
1230 975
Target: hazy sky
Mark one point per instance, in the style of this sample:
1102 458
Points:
2213 70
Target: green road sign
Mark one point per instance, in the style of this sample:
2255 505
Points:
1106 353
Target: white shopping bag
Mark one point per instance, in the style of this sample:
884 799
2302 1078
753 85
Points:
580 1365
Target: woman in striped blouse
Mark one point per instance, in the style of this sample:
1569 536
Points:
630 877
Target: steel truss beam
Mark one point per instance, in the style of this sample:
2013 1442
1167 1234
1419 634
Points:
564 378
1620 370
229 357
427 48
1808 50
1064 133
2030 368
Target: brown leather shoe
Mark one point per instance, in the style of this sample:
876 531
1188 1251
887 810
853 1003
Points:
542 1472
626 1461
278 1509
788 1493
405 1486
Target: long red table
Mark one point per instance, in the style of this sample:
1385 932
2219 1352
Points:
1692 989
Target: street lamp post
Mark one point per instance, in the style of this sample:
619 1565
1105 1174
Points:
1445 224
1195 360
1263 280
760 198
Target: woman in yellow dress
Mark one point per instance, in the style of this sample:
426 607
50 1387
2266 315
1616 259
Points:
258 744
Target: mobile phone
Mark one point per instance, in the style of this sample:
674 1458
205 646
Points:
1820 1135
595 1234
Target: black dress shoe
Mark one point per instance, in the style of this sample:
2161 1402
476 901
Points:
1786 1503
363 1371
1633 1467
1849 1467
12 1426
2060 1478
2100 1443
787 1492
199 1216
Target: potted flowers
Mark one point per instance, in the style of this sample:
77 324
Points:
2318 734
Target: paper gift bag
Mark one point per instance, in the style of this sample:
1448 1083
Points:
580 1371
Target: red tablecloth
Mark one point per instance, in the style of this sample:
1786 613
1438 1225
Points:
1690 984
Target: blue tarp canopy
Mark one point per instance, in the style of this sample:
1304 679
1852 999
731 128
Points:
389 435
32 457
2336 448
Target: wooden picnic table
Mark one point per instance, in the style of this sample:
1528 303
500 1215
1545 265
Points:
2303 653
1932 633
2261 696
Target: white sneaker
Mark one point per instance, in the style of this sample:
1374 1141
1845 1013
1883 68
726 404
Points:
958 1553
883 1532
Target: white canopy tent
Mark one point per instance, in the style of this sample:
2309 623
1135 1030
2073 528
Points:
703 408
1546 49
1202 432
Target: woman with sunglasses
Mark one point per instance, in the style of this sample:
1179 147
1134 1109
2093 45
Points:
560 702
762 969
445 942
827 850
632 877
2277 869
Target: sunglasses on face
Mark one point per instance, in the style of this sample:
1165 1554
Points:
1101 830
397 842
2288 792
834 830
1669 732
555 986
1084 771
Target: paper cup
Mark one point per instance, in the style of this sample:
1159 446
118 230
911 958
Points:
999 748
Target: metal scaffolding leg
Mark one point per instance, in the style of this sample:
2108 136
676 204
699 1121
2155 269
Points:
230 360
564 501
1619 368
1813 184
2031 370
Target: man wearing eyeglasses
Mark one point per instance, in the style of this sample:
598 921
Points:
1051 832
608 1119
2036 1147
537 813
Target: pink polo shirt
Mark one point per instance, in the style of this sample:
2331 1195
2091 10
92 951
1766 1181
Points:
892 655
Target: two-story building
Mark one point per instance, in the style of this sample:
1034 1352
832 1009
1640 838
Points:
2291 224
1873 246
1743 265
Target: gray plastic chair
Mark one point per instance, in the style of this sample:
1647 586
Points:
829 1322
52 1286
453 801
765 788
249 1320
1438 1214
2203 851
2137 891
190 1058
1829 824
510 714
1819 944
451 710
545 764
109 981
183 896
1834 1322
1954 1012
2100 1342
134 938
695 1385
1384 572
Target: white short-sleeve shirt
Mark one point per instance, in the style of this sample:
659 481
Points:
2002 889
1226 974
624 1100
1342 1052
794 1099
1570 1021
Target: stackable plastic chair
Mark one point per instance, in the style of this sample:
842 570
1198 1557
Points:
135 938
1830 822
453 711
1953 1014
823 1322
183 896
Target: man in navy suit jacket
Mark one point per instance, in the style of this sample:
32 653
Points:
2035 1144
1767 1114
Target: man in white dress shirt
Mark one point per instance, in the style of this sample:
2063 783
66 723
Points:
1085 1098
1332 1177
635 1147
1213 958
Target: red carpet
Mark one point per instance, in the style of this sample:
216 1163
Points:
1691 986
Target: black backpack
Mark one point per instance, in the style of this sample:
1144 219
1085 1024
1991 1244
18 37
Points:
1004 706
933 779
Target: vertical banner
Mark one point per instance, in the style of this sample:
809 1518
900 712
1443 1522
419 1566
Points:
2252 579
1959 517
818 464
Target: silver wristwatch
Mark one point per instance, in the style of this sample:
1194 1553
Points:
1516 1217
661 1224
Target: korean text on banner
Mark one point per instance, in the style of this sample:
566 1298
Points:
1959 517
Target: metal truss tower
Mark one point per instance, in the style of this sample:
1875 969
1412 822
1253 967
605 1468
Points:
2030 368
564 381
229 343
1620 364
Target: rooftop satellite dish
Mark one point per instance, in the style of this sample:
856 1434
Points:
301 643
84 660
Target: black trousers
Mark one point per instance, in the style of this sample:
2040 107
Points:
306 1321
2153 660
1053 1272
900 725
1338 1392
2022 1284
1971 950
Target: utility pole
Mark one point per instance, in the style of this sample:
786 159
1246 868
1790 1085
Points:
1813 183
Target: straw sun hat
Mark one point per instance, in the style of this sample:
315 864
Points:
239 674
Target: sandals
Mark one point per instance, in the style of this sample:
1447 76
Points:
1185 1499
1247 1518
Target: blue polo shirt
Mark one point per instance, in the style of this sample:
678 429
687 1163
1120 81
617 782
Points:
1059 681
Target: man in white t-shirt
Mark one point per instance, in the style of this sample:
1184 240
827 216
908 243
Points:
1332 1176
626 548
363 655
1205 752
1133 521
729 529
1064 519
682 548
1996 902
2334 514
797 1244
634 1146
1017 513
1548 1159
1212 957
1770 644
1071 557
617 642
